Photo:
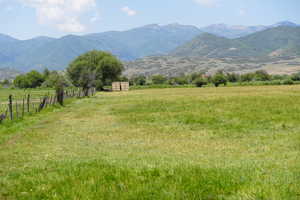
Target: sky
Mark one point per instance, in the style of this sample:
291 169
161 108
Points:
24 19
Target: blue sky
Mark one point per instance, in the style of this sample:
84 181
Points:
26 19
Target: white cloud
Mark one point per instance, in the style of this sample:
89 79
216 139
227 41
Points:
71 25
207 3
128 11
62 14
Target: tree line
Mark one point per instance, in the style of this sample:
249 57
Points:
201 79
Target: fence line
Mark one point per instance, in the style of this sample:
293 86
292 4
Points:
17 109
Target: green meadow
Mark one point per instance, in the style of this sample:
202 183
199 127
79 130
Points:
18 94
227 143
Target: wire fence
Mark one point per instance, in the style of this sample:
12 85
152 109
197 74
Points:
17 108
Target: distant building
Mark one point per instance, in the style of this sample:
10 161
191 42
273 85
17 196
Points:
120 86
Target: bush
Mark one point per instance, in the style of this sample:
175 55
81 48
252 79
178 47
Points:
232 77
288 82
53 78
99 85
219 79
158 79
247 77
262 75
139 80
199 82
32 79
181 80
295 77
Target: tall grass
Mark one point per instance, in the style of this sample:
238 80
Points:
181 143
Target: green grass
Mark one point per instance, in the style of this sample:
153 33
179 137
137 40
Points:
160 86
224 143
20 93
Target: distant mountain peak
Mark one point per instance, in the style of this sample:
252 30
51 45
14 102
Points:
4 37
221 25
152 26
43 38
174 24
285 23
236 31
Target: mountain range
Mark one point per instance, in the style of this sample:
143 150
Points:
149 40
41 52
232 32
283 41
276 50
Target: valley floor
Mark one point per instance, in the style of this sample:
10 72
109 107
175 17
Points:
185 143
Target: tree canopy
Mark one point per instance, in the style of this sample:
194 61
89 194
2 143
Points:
219 78
32 79
95 68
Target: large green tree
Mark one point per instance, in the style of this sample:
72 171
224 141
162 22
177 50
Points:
32 79
94 68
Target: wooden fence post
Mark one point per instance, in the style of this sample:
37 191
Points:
23 107
17 110
42 104
28 103
10 107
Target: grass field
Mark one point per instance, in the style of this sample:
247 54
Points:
18 94
230 143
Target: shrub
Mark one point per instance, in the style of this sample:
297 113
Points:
158 79
32 79
262 75
232 77
199 82
247 77
295 77
139 80
219 79
288 82
181 80
53 78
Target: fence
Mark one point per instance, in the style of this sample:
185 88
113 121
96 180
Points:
18 108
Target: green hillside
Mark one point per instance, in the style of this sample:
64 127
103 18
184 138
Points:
274 42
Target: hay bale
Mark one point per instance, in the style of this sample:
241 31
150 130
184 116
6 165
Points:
116 86
125 86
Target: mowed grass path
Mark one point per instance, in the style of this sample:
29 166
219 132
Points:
190 143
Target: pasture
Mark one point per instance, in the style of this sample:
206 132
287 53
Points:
18 93
225 143
19 96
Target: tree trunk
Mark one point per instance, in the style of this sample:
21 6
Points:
60 95
86 91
